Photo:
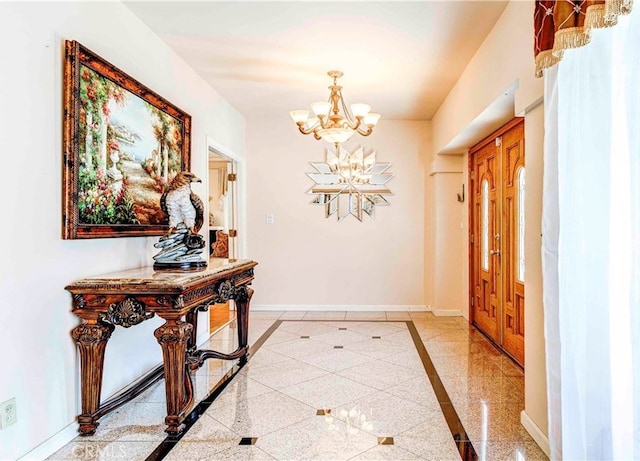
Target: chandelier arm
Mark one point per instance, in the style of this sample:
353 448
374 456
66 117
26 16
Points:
358 124
323 122
367 132
302 130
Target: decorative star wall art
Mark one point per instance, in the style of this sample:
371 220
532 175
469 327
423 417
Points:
350 183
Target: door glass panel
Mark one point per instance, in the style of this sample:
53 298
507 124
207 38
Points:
520 227
484 191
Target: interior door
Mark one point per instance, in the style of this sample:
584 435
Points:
496 241
232 213
223 208
223 219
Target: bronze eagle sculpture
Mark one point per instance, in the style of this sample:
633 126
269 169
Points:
182 205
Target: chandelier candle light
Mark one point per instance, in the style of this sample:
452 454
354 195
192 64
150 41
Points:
328 124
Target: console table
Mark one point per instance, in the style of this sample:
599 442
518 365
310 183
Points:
128 298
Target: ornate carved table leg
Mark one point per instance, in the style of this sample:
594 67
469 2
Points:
91 338
173 337
192 318
243 298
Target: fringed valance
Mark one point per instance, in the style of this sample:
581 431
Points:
563 24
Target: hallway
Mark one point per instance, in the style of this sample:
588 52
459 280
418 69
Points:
336 386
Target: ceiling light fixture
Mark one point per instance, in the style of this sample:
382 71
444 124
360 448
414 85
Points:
328 124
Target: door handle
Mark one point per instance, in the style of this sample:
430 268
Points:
494 252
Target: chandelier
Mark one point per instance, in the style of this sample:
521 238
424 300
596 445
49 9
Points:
328 124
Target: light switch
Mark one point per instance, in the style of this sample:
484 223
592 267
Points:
269 218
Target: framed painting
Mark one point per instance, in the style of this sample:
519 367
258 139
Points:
123 144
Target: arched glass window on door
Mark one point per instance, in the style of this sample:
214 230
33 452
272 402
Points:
484 200
520 228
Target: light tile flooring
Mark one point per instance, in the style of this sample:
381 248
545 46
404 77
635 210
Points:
336 386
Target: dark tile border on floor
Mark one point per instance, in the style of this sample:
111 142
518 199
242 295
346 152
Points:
170 442
460 437
465 447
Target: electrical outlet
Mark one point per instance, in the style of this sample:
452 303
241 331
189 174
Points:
8 413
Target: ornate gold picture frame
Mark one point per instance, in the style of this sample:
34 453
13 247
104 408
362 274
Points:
123 144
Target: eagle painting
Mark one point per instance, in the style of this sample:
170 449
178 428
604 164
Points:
181 204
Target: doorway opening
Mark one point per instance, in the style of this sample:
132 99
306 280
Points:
496 237
223 223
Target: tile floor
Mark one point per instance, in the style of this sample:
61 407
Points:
335 386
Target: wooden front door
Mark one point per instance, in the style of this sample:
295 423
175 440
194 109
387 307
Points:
496 240
485 237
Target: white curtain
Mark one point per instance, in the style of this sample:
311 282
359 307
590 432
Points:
550 225
591 247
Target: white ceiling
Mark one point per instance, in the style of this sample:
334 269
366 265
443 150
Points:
402 58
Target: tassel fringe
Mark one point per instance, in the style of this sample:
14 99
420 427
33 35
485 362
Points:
572 37
614 8
546 59
597 17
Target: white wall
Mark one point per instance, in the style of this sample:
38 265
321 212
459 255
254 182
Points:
498 84
429 224
534 347
485 91
38 359
307 260
448 231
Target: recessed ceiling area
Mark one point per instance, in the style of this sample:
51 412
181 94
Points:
267 58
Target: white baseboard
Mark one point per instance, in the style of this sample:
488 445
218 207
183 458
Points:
334 307
534 431
70 432
52 444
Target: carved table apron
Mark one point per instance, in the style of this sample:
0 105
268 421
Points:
128 298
